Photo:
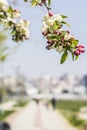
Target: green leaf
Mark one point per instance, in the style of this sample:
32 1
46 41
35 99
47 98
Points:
10 9
72 56
49 2
2 50
26 0
55 25
76 57
52 46
63 16
54 37
13 32
3 57
34 3
64 57
66 23
74 43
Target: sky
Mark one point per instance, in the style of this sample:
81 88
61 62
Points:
32 58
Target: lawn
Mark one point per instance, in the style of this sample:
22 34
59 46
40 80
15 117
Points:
21 103
4 114
70 110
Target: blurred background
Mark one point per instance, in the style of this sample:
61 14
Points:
36 92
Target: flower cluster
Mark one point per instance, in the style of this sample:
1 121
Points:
79 50
9 18
40 3
59 39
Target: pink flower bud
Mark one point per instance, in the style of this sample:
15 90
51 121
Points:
55 32
77 53
43 1
82 46
49 42
50 14
81 50
62 40
68 44
77 46
44 33
16 10
48 47
68 32
60 33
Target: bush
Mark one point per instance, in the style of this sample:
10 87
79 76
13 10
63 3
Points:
4 114
75 121
21 103
71 105
70 110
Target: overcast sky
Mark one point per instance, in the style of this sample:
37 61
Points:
32 57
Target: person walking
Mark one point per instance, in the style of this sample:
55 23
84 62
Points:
4 126
53 102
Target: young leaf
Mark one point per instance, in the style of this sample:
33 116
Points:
74 43
2 50
76 57
55 25
72 56
54 37
63 16
34 3
49 2
26 0
10 10
64 57
66 23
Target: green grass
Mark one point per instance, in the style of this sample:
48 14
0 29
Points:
4 114
71 105
21 103
70 110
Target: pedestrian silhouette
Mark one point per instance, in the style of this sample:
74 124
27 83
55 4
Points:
4 126
53 102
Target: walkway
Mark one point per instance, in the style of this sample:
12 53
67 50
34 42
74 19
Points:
38 117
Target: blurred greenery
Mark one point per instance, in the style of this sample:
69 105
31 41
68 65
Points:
4 114
70 110
71 105
2 94
3 37
21 103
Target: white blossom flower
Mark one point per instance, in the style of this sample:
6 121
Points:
3 3
24 31
11 20
59 49
44 29
51 29
46 17
68 36
16 14
27 32
6 22
24 23
57 17
48 22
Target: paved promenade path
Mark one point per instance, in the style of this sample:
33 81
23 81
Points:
38 117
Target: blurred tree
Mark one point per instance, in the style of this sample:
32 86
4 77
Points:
2 93
85 82
2 38
3 56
